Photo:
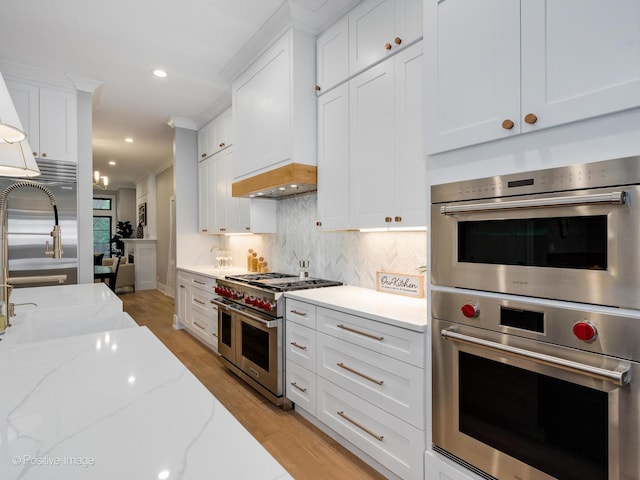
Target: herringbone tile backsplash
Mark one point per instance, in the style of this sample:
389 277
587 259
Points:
347 256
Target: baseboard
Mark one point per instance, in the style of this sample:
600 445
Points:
168 291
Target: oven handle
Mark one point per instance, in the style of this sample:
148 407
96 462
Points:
616 377
613 198
262 321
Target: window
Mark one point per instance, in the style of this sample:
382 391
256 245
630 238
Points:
103 224
101 203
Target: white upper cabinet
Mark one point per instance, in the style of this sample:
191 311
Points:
332 56
378 28
215 135
386 167
498 68
274 107
50 119
333 158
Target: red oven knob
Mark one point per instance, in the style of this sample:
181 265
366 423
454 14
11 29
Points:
247 300
585 331
470 310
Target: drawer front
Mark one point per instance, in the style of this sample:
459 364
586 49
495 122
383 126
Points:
201 325
301 345
301 387
395 444
201 302
392 385
301 312
202 282
400 343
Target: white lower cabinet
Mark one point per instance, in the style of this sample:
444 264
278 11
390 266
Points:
361 378
196 311
395 444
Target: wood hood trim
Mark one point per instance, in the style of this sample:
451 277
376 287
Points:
268 183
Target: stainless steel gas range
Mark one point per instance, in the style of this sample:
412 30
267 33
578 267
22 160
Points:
250 330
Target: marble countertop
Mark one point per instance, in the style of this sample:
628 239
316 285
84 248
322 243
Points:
117 404
398 310
215 272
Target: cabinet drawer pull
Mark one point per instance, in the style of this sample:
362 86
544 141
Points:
360 374
203 155
35 154
530 118
199 282
301 347
221 145
388 219
205 230
397 219
387 46
295 385
198 325
198 301
364 429
302 314
397 40
44 155
182 286
318 88
353 330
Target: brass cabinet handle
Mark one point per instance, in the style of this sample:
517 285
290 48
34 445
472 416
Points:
508 124
301 347
364 429
199 282
223 229
318 224
182 286
303 314
44 155
247 228
387 46
221 145
530 118
353 330
295 385
205 230
203 155
35 154
318 88
397 219
199 326
397 40
360 374
387 219
198 301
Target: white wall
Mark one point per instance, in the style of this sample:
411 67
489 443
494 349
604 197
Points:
85 189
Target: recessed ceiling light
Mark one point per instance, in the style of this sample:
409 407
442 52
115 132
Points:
112 162
128 140
160 73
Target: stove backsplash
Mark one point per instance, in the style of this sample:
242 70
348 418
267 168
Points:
349 257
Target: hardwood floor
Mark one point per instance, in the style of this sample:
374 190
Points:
305 451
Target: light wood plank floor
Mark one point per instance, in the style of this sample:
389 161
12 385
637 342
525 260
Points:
305 451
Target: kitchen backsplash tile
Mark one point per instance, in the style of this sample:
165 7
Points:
347 256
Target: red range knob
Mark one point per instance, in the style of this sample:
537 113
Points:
470 310
585 331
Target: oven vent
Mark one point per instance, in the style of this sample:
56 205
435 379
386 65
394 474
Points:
451 456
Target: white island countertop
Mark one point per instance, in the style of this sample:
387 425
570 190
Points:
398 310
117 405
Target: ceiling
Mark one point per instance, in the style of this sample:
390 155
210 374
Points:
119 43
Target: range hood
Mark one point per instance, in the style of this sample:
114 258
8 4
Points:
292 179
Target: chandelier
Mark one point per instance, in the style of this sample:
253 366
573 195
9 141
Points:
100 181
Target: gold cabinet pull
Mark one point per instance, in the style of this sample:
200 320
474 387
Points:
198 301
295 385
387 46
223 229
35 154
182 286
318 88
205 230
199 326
530 118
318 224
297 345
397 219
353 330
364 429
221 145
388 219
302 314
397 40
199 282
360 374
44 155
508 124
203 155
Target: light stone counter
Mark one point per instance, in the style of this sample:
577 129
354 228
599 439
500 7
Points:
214 272
398 310
117 405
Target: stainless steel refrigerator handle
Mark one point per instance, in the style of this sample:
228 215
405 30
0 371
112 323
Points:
616 377
613 198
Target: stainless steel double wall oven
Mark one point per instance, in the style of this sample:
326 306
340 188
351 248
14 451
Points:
536 322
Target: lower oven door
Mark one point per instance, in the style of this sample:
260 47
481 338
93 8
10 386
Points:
226 331
514 408
258 350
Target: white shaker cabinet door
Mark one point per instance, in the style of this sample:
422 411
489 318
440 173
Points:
333 158
58 125
26 100
580 59
205 141
472 82
203 196
372 146
332 56
371 28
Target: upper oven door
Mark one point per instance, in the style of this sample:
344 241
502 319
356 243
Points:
522 409
579 246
